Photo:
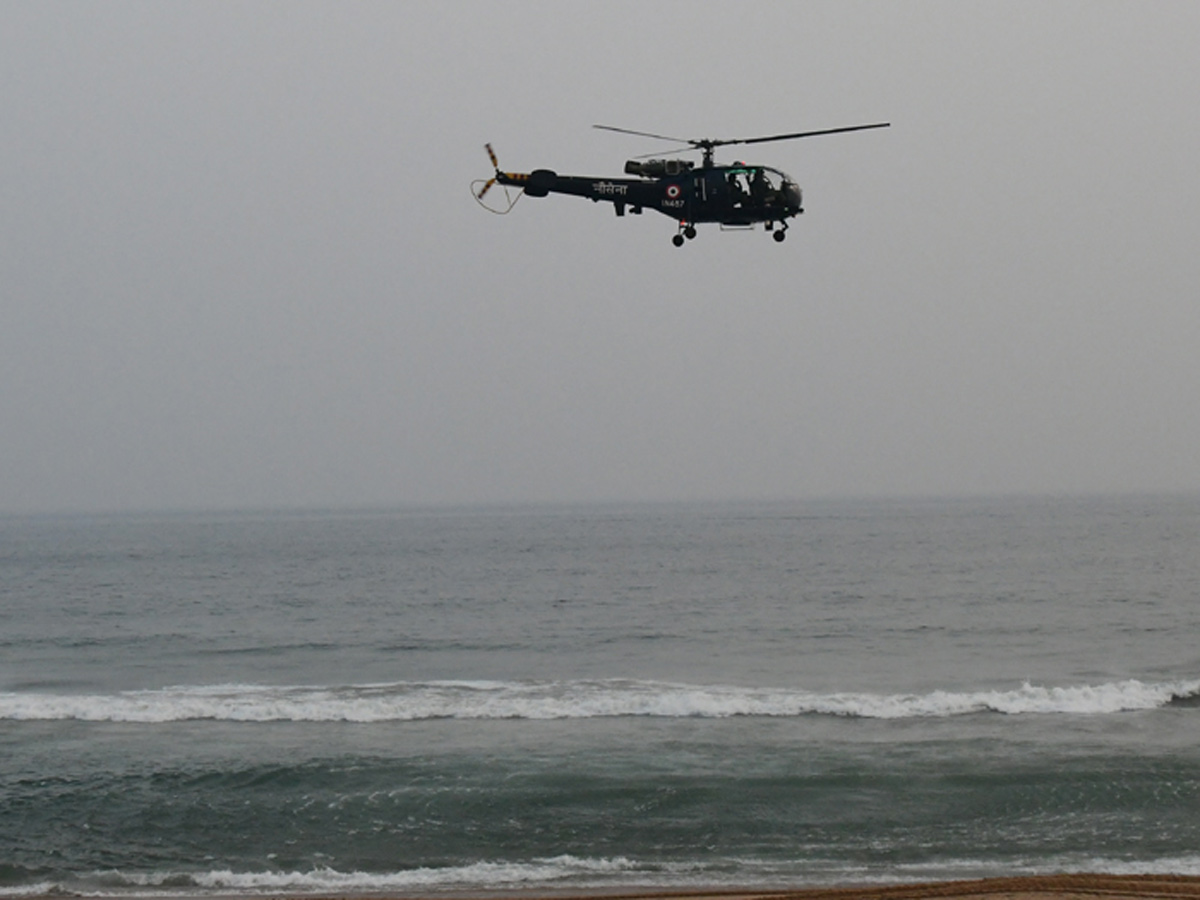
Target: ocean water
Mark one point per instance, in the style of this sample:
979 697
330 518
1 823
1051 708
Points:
545 698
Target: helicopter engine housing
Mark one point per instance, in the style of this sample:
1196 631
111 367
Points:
657 168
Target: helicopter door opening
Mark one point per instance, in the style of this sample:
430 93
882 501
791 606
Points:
766 187
738 182
701 191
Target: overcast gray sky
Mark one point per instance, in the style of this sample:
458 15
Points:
241 265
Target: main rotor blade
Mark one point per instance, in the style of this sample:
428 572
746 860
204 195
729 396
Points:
802 134
658 153
661 137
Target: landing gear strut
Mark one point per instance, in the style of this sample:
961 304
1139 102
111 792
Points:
781 234
685 231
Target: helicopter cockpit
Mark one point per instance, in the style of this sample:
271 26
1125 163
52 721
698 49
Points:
761 186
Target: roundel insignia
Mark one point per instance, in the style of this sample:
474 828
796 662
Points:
673 191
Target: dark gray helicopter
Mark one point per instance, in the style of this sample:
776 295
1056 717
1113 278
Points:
737 195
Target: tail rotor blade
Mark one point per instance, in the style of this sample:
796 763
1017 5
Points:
487 186
480 187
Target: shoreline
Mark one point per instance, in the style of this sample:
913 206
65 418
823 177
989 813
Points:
1074 886
1070 886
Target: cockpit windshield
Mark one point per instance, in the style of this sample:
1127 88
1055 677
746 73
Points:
758 185
785 180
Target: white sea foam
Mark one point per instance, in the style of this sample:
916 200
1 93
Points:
35 889
413 701
1175 865
566 868
576 872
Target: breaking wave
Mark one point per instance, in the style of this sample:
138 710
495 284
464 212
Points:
564 870
492 874
542 700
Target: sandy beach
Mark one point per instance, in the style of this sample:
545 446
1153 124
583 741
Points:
1060 887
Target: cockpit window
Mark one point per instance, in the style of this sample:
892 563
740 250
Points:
756 185
769 178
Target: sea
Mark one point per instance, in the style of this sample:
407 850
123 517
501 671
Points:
603 697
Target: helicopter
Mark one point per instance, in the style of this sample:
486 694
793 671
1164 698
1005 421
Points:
735 196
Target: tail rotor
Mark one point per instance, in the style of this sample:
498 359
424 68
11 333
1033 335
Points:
480 187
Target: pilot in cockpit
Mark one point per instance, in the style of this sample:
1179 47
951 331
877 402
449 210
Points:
736 194
759 188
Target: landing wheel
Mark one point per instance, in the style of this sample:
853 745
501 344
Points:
677 240
779 236
689 232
